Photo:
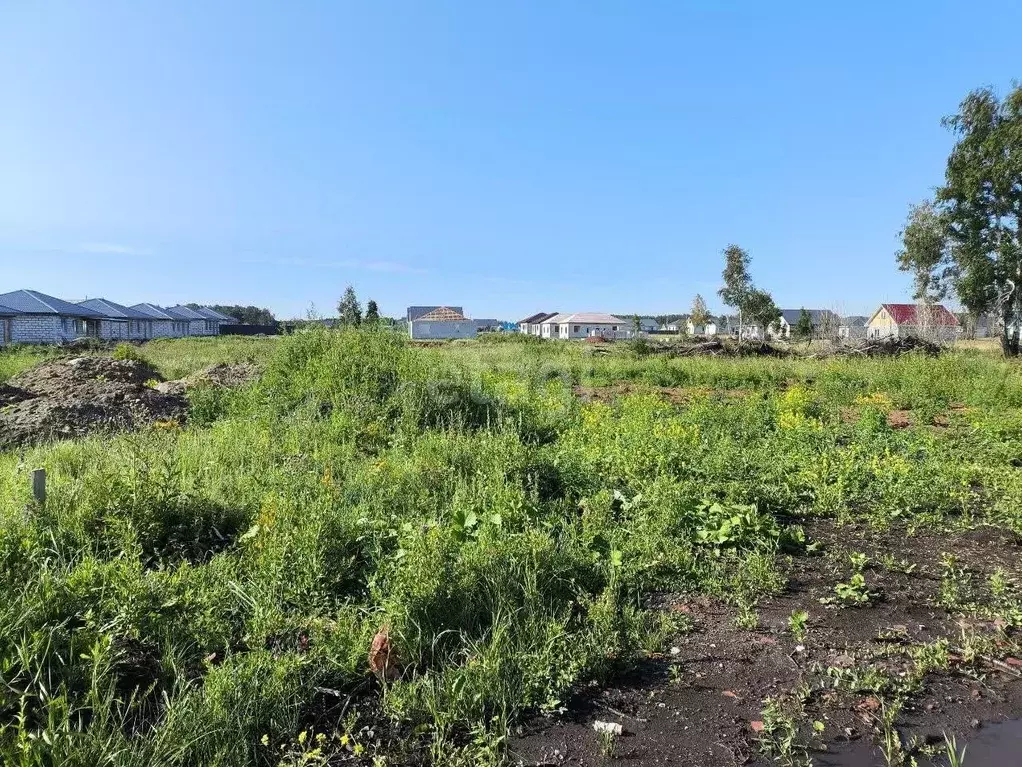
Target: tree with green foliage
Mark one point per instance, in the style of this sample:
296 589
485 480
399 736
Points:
349 310
372 313
968 239
804 327
636 324
699 314
737 282
761 309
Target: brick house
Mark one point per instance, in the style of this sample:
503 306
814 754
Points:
215 319
165 325
121 322
42 319
198 325
6 318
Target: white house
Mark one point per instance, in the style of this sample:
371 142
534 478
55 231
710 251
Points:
852 327
441 323
120 322
824 322
585 325
709 329
531 325
41 319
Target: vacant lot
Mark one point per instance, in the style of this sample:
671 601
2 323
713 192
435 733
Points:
734 559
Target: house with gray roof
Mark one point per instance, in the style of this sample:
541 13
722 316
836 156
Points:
215 319
197 325
6 317
165 324
825 323
37 318
120 322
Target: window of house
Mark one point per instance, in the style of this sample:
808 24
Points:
576 329
614 328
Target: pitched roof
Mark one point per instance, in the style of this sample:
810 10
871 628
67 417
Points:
441 314
184 313
816 316
415 312
907 314
592 318
213 314
854 320
154 312
113 310
537 317
6 311
34 302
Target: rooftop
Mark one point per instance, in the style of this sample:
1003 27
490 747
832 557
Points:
113 310
441 314
34 302
154 312
908 314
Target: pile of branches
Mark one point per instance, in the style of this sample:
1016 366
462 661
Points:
891 347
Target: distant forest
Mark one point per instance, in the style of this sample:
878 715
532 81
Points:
246 315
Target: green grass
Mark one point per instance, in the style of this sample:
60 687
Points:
187 595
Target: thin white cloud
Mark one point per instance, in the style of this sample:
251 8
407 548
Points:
111 249
393 267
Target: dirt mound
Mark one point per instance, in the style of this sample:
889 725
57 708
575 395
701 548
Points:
74 397
227 375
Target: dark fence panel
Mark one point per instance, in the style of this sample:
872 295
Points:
249 330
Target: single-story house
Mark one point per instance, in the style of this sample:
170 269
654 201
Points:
825 323
531 324
40 318
648 325
165 324
852 327
444 322
120 321
729 324
709 329
585 325
904 320
197 324
6 318
488 325
216 319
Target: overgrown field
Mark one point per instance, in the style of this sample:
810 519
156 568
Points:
509 514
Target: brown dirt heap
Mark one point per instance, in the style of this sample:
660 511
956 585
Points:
76 396
223 374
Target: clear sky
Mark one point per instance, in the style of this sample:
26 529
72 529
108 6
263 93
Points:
510 157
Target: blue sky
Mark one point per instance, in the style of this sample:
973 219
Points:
508 157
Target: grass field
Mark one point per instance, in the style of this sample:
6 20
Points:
208 594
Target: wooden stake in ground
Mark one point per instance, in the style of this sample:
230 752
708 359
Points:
39 486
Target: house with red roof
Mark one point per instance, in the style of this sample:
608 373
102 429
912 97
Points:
933 321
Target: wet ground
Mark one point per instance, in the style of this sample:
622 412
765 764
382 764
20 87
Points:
928 657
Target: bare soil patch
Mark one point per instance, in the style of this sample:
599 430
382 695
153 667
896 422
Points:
703 703
76 396
223 374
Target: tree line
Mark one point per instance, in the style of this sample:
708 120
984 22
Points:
246 315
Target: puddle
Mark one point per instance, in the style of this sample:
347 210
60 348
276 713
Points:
995 745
